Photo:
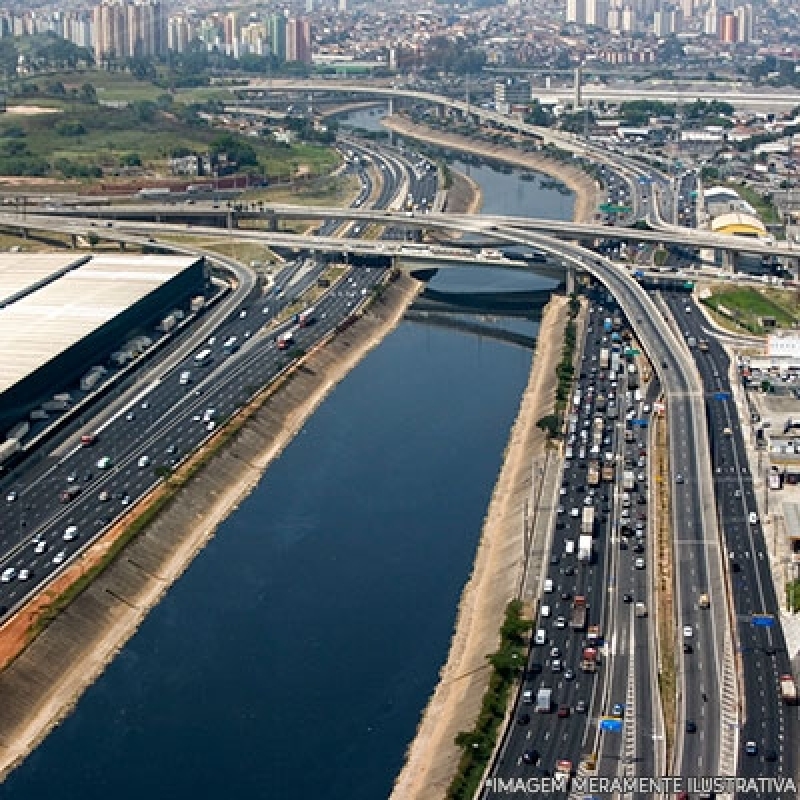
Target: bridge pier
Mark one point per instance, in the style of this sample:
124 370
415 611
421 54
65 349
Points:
570 280
729 260
73 241
122 245
272 221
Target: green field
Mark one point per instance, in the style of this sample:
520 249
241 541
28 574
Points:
747 306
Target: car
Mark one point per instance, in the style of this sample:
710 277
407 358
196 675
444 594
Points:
170 450
126 498
561 622
752 518
527 696
70 533
691 726
523 719
563 711
243 313
72 477
11 496
40 547
569 675
545 612
638 548
59 557
130 416
24 574
688 632
143 461
770 755
639 563
560 510
569 571
679 478
627 598
554 559
687 648
8 574
566 596
555 652
580 707
574 512
751 748
555 665
145 405
530 756
623 545
618 710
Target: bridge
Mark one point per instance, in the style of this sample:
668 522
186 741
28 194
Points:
485 225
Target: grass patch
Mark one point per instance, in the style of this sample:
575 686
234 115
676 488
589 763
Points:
660 257
478 744
762 205
746 306
793 596
338 190
667 676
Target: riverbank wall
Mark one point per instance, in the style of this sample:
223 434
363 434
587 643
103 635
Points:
576 179
46 678
432 758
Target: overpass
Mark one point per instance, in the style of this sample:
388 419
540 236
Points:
764 99
485 225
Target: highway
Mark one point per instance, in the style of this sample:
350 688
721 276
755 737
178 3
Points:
159 423
761 651
611 583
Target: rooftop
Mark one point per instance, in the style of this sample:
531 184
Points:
43 321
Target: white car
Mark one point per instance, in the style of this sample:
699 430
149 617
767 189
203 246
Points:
639 563
24 574
59 557
753 518
70 533
40 547
574 512
687 632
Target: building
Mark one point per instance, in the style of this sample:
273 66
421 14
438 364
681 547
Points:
744 23
784 344
298 40
61 315
129 30
728 29
576 12
739 224
510 92
277 36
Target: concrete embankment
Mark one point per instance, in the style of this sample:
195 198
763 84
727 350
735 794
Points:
44 681
577 180
433 757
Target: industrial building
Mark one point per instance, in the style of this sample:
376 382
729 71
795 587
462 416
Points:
62 314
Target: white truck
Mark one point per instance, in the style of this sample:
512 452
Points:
628 480
587 521
585 548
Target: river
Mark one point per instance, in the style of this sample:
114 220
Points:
294 657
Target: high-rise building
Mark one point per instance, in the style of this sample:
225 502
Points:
662 23
744 23
711 20
687 7
298 40
277 36
128 30
231 28
628 19
576 11
596 12
728 28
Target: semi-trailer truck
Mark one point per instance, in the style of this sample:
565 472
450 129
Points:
577 615
585 548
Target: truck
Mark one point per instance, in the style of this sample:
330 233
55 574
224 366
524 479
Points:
788 690
607 325
604 356
607 473
628 480
616 361
587 520
593 473
589 659
577 615
285 340
544 700
633 376
585 548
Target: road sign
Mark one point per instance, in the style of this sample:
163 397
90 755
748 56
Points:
722 396
639 423
629 351
763 620
611 724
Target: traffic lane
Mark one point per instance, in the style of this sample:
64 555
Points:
144 483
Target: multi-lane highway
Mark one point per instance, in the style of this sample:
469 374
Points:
165 418
761 651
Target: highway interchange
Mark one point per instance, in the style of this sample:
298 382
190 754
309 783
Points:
708 681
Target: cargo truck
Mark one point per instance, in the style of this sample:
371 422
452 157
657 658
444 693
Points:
544 700
593 473
587 520
589 659
604 355
628 480
577 616
585 548
788 690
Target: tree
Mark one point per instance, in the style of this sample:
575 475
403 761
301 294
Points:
88 93
9 58
550 424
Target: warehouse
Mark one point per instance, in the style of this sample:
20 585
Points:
61 314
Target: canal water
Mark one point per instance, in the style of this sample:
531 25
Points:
294 657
